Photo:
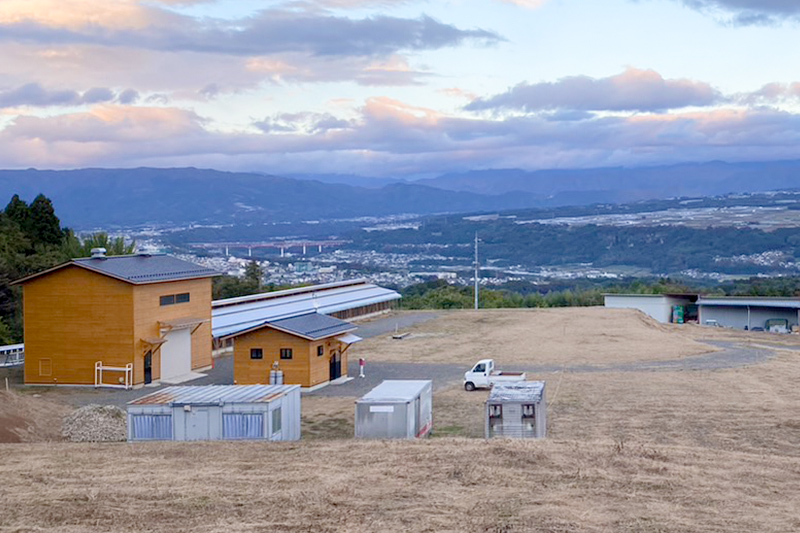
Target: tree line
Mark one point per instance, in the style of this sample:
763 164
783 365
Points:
31 240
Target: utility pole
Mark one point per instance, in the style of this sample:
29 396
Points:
476 270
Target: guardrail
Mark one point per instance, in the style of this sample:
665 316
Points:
12 355
123 382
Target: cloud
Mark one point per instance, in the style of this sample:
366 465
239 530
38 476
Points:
267 32
529 4
34 95
633 90
390 137
748 12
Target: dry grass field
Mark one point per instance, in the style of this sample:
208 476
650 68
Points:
590 335
660 452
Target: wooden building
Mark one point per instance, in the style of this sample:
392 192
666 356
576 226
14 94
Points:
120 321
310 350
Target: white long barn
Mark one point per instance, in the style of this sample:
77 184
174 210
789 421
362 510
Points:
344 300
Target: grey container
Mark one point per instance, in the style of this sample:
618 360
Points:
517 410
217 412
396 409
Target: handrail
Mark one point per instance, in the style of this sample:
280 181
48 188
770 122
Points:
125 383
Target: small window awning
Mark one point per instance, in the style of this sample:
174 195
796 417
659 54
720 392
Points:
349 338
182 323
154 341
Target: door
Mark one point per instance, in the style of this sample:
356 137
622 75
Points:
176 354
197 423
148 367
336 365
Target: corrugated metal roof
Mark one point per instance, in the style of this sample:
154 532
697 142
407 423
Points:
312 326
288 292
216 394
403 390
234 318
521 391
788 303
142 268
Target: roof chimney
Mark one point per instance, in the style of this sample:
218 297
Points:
98 253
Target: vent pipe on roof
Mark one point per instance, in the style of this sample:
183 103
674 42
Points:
98 253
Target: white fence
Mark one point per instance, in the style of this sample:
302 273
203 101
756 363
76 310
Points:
123 382
12 355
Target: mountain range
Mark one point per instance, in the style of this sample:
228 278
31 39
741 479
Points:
109 198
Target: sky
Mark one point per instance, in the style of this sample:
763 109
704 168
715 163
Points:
393 88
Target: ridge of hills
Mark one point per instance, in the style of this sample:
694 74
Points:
94 197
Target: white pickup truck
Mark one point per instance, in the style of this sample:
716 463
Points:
484 376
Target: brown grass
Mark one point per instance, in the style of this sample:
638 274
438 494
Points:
570 336
691 451
436 485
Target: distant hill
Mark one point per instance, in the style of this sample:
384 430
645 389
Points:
89 198
620 184
110 198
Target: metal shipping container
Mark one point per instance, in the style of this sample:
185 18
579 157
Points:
396 409
217 412
517 410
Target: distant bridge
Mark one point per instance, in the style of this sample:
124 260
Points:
278 245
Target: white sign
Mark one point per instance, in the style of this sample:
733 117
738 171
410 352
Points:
381 408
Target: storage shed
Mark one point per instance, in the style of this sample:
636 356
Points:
217 412
396 409
517 410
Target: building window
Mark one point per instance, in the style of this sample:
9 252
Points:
495 411
256 353
152 427
276 420
320 351
528 410
286 353
171 299
242 426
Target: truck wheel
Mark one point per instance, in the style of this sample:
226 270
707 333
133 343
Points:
469 386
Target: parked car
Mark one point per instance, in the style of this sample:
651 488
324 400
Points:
483 376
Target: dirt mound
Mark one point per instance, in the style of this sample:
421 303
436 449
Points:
29 419
96 423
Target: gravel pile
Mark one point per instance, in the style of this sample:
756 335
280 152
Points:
96 423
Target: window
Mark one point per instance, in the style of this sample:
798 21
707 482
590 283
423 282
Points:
286 353
528 410
242 426
320 351
480 368
495 411
256 353
152 427
171 299
276 420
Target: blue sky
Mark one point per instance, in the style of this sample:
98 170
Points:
396 88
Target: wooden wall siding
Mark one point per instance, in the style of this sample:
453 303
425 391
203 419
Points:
74 318
365 310
305 368
149 312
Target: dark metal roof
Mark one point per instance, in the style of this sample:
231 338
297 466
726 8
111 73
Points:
145 268
312 326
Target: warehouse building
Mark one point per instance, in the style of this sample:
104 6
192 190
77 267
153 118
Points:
665 308
119 321
217 412
769 314
299 332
